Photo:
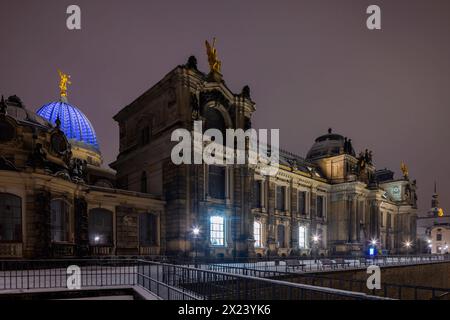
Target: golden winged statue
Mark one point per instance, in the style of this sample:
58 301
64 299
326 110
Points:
404 169
214 63
63 82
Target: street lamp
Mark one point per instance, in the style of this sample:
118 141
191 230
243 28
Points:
407 245
195 232
372 249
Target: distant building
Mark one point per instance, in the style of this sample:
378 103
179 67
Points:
433 229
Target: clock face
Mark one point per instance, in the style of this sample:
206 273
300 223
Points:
396 192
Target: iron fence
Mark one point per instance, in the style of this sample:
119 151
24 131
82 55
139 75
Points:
167 281
388 290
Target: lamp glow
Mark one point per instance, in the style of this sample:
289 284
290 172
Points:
196 231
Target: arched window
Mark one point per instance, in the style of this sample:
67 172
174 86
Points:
10 218
60 220
100 227
281 236
217 230
148 229
144 182
214 120
257 232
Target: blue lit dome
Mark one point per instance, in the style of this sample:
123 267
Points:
74 123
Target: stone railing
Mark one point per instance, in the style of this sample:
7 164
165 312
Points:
11 250
149 251
102 250
63 250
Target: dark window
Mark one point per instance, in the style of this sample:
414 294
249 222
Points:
382 219
214 120
281 198
148 230
216 182
302 202
257 194
122 183
388 221
10 217
320 206
144 182
145 135
7 131
60 220
100 227
280 236
58 143
439 237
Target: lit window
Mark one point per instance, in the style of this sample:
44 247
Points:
257 234
302 237
217 231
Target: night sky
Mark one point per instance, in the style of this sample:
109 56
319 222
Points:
310 65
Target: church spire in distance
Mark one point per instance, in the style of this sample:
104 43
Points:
435 209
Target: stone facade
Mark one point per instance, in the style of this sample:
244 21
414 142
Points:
49 195
346 202
56 200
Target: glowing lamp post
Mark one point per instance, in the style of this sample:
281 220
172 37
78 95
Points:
408 244
373 247
195 232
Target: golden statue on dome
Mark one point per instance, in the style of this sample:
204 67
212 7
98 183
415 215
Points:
214 63
404 169
64 81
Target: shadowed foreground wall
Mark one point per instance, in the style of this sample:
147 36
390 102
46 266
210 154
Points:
433 275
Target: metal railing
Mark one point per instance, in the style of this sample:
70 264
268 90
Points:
167 281
217 285
388 290
308 264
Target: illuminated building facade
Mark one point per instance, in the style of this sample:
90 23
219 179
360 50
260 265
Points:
57 200
333 201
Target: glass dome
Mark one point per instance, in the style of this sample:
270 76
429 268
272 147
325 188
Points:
74 123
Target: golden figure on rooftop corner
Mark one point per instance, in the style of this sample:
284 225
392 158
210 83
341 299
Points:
404 169
64 81
214 63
